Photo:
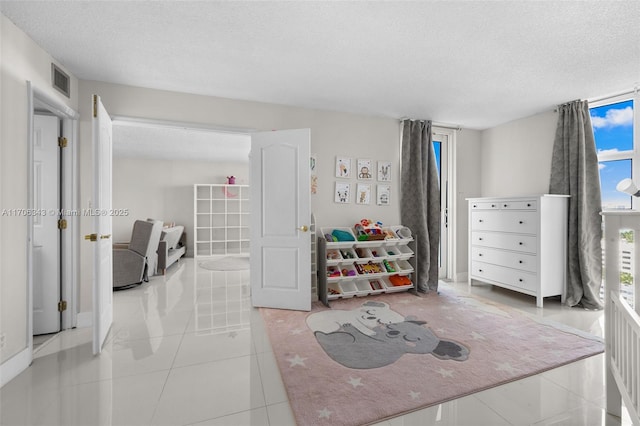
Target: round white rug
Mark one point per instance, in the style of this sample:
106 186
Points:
227 263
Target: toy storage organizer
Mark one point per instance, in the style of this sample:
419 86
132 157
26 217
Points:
362 268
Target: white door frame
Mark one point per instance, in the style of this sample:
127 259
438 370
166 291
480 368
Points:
69 253
450 197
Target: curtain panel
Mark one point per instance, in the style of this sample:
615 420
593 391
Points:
574 172
420 200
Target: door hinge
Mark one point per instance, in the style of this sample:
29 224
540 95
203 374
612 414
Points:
62 142
62 224
95 105
62 305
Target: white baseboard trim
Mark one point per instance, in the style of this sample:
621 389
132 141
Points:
14 366
84 319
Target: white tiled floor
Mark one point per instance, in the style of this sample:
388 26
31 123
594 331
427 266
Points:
187 348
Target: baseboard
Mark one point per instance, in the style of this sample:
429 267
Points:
14 366
84 319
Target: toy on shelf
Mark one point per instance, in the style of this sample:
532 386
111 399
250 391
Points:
388 266
333 272
399 280
369 268
333 255
339 235
367 230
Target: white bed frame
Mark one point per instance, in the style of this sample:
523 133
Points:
622 332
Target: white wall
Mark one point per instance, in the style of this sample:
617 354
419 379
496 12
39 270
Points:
20 60
468 185
163 190
516 156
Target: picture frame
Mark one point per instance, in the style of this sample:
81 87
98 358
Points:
383 195
343 167
365 169
342 193
363 193
384 171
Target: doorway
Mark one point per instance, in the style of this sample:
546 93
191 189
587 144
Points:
53 255
442 145
46 225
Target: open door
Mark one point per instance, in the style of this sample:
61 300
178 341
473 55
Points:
46 235
101 212
280 219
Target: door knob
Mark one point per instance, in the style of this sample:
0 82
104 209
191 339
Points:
304 228
91 237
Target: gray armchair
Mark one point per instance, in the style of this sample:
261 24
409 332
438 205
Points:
132 262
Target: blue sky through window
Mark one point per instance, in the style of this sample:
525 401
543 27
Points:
613 131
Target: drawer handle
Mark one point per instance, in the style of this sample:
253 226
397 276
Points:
493 205
479 254
520 222
520 261
480 239
480 220
505 205
479 270
528 204
520 243
520 279
475 205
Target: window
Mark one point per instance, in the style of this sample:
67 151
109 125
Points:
613 129
613 124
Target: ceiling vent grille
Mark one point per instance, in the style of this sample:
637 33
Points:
60 80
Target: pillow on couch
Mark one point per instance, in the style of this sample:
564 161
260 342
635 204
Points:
172 236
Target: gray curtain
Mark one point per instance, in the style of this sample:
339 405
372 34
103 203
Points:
574 172
420 199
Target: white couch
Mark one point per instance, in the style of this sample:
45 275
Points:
172 246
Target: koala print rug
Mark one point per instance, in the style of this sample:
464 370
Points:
367 359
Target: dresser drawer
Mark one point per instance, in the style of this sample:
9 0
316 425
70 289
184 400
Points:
505 221
524 243
519 205
522 261
485 205
501 275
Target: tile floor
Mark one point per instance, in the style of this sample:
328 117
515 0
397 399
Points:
188 349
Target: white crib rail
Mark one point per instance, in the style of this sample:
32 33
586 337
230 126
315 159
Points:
623 344
622 333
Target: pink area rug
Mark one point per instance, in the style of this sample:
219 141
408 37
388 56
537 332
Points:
371 358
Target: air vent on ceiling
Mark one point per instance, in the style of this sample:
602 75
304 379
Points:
60 80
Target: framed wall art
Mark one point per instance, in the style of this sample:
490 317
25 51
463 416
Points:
384 171
343 167
343 193
363 193
383 195
365 171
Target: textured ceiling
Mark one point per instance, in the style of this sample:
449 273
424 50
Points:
167 142
474 63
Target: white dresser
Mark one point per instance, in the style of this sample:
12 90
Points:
519 243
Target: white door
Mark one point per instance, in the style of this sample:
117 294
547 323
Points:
280 219
46 235
101 211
